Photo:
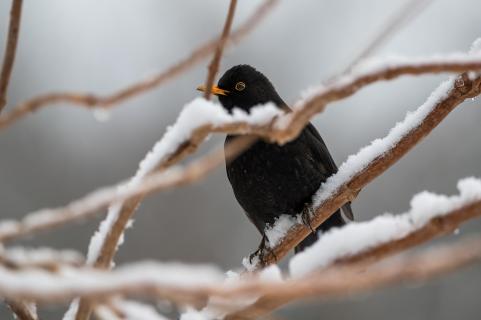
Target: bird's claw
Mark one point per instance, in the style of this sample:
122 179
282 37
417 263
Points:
261 252
306 215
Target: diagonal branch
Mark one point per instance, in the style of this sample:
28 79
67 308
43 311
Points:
21 310
383 154
214 64
94 101
10 50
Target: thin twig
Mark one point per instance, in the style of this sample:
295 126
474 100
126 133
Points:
21 310
214 64
94 101
10 50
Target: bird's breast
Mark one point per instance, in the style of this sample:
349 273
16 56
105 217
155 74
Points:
269 180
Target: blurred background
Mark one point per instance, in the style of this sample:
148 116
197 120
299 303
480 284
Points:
99 46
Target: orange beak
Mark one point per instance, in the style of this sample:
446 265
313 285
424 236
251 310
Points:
215 90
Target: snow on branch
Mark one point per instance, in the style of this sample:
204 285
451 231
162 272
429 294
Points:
94 101
143 279
182 283
358 237
371 161
342 281
187 284
21 257
200 115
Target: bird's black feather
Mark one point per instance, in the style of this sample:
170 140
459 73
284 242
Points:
269 180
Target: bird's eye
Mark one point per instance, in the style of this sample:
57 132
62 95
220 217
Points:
239 86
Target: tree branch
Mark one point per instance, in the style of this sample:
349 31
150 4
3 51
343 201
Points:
341 281
214 64
21 310
10 50
463 88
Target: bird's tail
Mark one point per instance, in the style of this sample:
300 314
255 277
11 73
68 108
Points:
334 220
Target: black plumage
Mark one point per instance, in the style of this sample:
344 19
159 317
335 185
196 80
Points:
269 180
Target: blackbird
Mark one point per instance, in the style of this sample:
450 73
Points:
270 180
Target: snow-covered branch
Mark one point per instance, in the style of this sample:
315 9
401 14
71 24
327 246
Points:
341 281
48 258
371 161
89 100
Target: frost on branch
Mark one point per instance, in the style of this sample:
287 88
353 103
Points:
359 236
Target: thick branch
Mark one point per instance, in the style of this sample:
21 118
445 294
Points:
94 101
214 64
10 50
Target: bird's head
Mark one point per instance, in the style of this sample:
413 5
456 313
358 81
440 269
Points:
244 87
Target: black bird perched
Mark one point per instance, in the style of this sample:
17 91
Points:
270 180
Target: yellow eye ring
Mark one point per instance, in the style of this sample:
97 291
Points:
239 86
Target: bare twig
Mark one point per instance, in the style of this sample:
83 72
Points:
214 64
94 101
101 198
21 310
10 50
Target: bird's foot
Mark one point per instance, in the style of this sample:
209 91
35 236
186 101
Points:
306 215
261 252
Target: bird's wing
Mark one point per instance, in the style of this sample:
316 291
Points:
321 151
323 155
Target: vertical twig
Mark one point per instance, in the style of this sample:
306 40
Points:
214 64
21 310
11 48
